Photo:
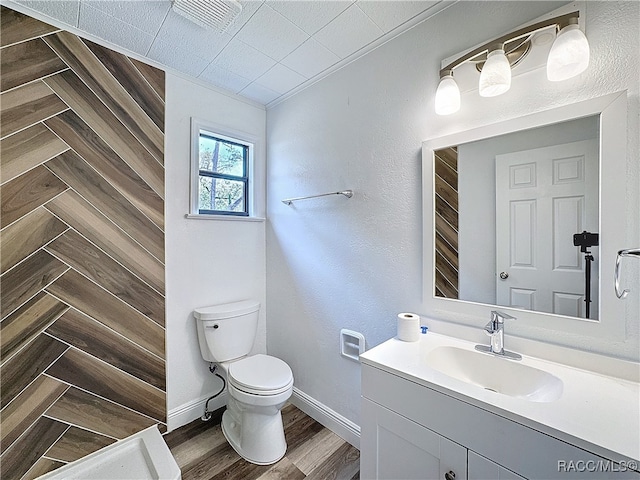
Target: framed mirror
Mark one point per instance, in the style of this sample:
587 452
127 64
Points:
510 212
526 214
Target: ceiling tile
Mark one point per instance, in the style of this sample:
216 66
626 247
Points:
203 42
145 15
310 58
280 79
181 59
249 7
224 78
388 15
64 10
310 16
349 32
113 30
259 93
244 60
271 33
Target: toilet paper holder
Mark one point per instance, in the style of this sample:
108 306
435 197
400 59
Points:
352 344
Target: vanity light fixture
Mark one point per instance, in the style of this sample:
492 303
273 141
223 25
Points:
568 57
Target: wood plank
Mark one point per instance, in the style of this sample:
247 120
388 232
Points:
446 289
445 172
449 156
27 192
90 223
28 407
77 291
447 271
26 62
97 414
26 365
205 469
444 190
42 466
18 459
241 469
107 88
310 454
95 339
343 463
193 449
283 469
98 192
107 163
17 27
24 237
90 261
27 278
75 443
88 373
154 76
447 251
95 113
27 105
28 322
27 149
132 80
297 432
444 210
448 233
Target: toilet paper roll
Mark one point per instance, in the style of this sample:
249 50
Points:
408 327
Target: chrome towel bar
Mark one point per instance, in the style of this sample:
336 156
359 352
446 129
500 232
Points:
346 193
631 252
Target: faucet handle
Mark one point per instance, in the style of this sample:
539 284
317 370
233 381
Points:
490 328
500 317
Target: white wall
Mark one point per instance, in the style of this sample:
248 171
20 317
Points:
333 262
207 261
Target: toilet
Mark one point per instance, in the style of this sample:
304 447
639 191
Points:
258 385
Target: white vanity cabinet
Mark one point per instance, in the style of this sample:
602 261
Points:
395 447
480 468
411 431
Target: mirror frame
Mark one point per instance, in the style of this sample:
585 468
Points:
612 110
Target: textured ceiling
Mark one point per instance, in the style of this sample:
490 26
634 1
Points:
270 50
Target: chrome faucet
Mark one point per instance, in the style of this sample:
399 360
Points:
495 330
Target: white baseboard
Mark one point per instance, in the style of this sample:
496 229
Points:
190 411
331 419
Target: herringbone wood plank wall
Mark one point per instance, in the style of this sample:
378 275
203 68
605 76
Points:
446 205
82 354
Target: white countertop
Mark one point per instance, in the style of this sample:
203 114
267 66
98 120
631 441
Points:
596 412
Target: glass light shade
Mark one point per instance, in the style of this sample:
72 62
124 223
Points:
495 78
569 54
447 96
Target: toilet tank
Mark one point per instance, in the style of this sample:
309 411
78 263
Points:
227 331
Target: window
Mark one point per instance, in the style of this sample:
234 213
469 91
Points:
221 173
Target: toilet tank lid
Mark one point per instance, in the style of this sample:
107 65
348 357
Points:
226 310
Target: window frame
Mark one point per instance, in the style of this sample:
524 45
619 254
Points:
198 128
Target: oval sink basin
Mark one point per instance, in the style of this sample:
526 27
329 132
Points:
496 374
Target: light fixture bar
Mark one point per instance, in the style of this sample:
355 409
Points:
559 21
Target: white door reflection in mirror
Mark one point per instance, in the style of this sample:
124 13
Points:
543 197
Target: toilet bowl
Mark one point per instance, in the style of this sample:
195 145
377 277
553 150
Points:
258 385
258 388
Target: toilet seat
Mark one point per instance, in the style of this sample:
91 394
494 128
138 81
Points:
260 375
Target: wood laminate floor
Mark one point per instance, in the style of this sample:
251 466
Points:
313 452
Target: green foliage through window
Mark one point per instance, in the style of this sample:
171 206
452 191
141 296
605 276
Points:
223 177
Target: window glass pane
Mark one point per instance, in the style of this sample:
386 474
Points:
222 157
221 194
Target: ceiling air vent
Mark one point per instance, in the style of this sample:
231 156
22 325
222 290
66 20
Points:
216 14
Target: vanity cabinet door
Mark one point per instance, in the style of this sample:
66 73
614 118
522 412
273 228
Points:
394 447
481 468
